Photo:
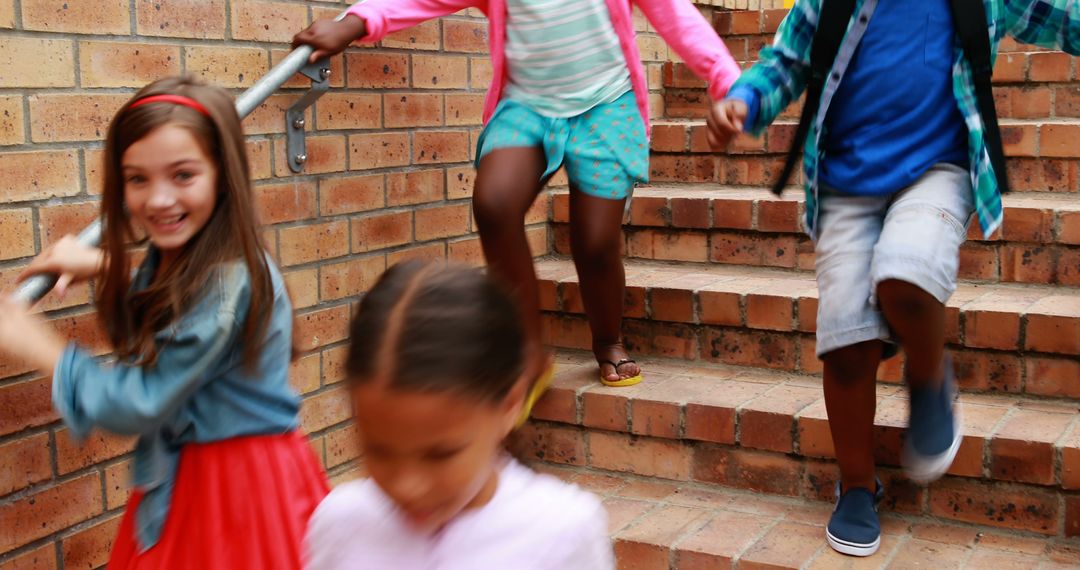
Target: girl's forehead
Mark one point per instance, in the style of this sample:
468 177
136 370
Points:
393 411
164 145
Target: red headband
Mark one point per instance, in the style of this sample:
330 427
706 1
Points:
176 99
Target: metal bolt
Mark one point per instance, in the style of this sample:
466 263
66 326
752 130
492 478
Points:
325 72
298 123
301 158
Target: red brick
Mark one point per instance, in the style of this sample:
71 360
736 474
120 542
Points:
1019 140
982 503
649 211
415 187
480 72
413 110
97 447
1023 448
342 446
1052 377
439 72
422 37
770 309
90 547
988 371
24 462
750 348
325 409
378 150
105 17
767 422
44 558
758 250
1011 67
381 231
646 544
431 252
979 261
35 516
690 213
993 321
263 21
57 221
325 154
464 109
349 111
641 456
350 278
924 554
118 484
778 216
787 545
11 121
72 117
1053 325
668 138
322 327
672 304
377 70
181 19
442 222
287 202
466 251
1059 140
549 443
16 233
26 404
1050 66
1028 224
607 409
719 543
304 244
52 66
351 194
125 64
459 182
464 36
434 147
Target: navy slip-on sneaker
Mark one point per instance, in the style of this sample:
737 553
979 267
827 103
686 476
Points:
934 431
854 528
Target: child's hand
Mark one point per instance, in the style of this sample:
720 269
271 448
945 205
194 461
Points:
330 37
26 336
69 259
725 121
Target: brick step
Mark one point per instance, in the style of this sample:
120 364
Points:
1039 242
662 525
1018 467
1042 156
1023 138
1005 338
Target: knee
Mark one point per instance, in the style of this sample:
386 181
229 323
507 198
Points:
851 364
492 208
897 296
596 246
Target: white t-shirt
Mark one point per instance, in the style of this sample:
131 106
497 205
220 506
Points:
533 522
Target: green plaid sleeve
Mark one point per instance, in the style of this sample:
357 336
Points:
783 69
1053 24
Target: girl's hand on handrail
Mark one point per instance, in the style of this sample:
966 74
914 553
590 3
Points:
330 36
72 261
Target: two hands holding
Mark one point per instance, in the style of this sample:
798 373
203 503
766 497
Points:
26 335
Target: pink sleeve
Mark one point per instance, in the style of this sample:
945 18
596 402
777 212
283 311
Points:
383 17
696 42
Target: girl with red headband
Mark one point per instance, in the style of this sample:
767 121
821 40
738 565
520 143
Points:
203 336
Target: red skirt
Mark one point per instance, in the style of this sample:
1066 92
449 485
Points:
238 503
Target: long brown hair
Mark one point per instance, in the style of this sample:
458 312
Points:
437 328
131 318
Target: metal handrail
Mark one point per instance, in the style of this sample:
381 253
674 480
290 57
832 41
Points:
36 287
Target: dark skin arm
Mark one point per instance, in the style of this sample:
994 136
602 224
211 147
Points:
330 37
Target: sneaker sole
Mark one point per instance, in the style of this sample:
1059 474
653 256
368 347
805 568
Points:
923 469
852 548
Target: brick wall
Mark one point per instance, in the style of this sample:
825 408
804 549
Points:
389 178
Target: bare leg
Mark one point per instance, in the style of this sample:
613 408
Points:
596 241
918 320
851 401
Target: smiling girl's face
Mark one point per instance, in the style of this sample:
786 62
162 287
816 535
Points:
170 187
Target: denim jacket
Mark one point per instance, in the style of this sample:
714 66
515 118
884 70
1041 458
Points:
197 391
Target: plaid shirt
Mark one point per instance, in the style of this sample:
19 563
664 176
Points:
782 73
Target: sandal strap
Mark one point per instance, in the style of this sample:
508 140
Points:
616 365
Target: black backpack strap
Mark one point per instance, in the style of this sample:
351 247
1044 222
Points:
971 28
832 25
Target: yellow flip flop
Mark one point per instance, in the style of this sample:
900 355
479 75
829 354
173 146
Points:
538 388
621 382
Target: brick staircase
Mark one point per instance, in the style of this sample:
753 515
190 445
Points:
723 456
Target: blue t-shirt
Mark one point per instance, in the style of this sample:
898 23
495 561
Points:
894 115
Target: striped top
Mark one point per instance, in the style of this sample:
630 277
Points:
563 56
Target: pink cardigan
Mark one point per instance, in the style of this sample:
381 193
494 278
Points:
678 21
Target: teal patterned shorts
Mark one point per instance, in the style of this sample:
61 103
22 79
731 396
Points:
605 149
